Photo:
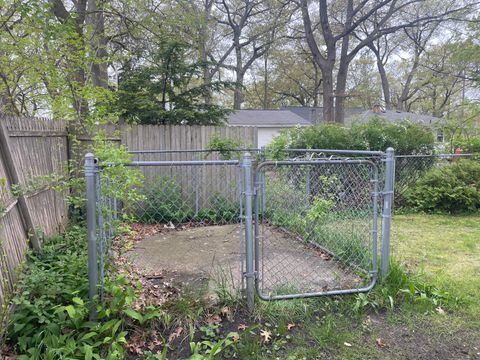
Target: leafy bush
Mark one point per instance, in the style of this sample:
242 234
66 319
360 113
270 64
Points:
377 134
224 145
453 188
219 211
405 137
50 320
470 146
163 203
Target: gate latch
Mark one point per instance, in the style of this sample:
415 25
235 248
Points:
250 275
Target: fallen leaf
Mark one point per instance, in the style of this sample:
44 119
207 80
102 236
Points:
235 338
440 310
242 327
290 326
227 313
213 319
380 342
347 344
175 334
266 335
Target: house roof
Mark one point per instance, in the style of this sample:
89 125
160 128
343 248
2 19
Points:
266 118
394 115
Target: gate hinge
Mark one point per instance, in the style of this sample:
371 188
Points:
250 275
386 192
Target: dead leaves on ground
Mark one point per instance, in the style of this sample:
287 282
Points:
380 342
175 334
265 335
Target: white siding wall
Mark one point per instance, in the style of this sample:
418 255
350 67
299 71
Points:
265 135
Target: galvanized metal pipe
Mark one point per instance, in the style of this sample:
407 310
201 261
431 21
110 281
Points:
387 209
249 273
90 170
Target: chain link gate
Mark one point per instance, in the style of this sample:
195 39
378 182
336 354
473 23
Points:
316 225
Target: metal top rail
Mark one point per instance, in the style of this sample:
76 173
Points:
178 163
188 151
446 156
336 151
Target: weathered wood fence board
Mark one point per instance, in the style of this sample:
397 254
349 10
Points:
41 147
37 147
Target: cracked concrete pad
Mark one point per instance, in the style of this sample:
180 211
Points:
213 252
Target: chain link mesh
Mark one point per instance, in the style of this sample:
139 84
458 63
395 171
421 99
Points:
316 230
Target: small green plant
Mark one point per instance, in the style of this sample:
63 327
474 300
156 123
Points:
224 146
397 288
219 210
164 202
150 313
208 349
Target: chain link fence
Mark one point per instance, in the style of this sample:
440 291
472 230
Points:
318 205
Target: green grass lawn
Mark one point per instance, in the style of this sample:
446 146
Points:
443 251
446 249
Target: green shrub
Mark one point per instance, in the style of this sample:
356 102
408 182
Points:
470 146
220 210
453 188
405 137
224 145
163 203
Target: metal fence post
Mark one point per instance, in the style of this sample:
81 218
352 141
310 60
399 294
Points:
249 271
91 232
387 209
264 195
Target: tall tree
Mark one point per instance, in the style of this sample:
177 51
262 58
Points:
339 21
253 26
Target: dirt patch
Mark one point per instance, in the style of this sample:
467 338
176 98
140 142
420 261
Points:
426 339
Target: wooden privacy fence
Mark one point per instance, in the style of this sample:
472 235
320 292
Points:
32 147
29 148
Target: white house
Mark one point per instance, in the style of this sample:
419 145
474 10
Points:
268 122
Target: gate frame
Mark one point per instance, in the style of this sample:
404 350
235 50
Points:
387 193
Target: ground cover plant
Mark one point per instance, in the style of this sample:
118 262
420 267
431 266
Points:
431 291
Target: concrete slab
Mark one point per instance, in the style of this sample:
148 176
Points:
213 252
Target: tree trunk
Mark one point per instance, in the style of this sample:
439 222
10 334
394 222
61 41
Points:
207 74
405 95
328 98
98 43
237 93
265 82
340 92
385 85
316 86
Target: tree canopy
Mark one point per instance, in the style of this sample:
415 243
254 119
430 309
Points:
179 61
